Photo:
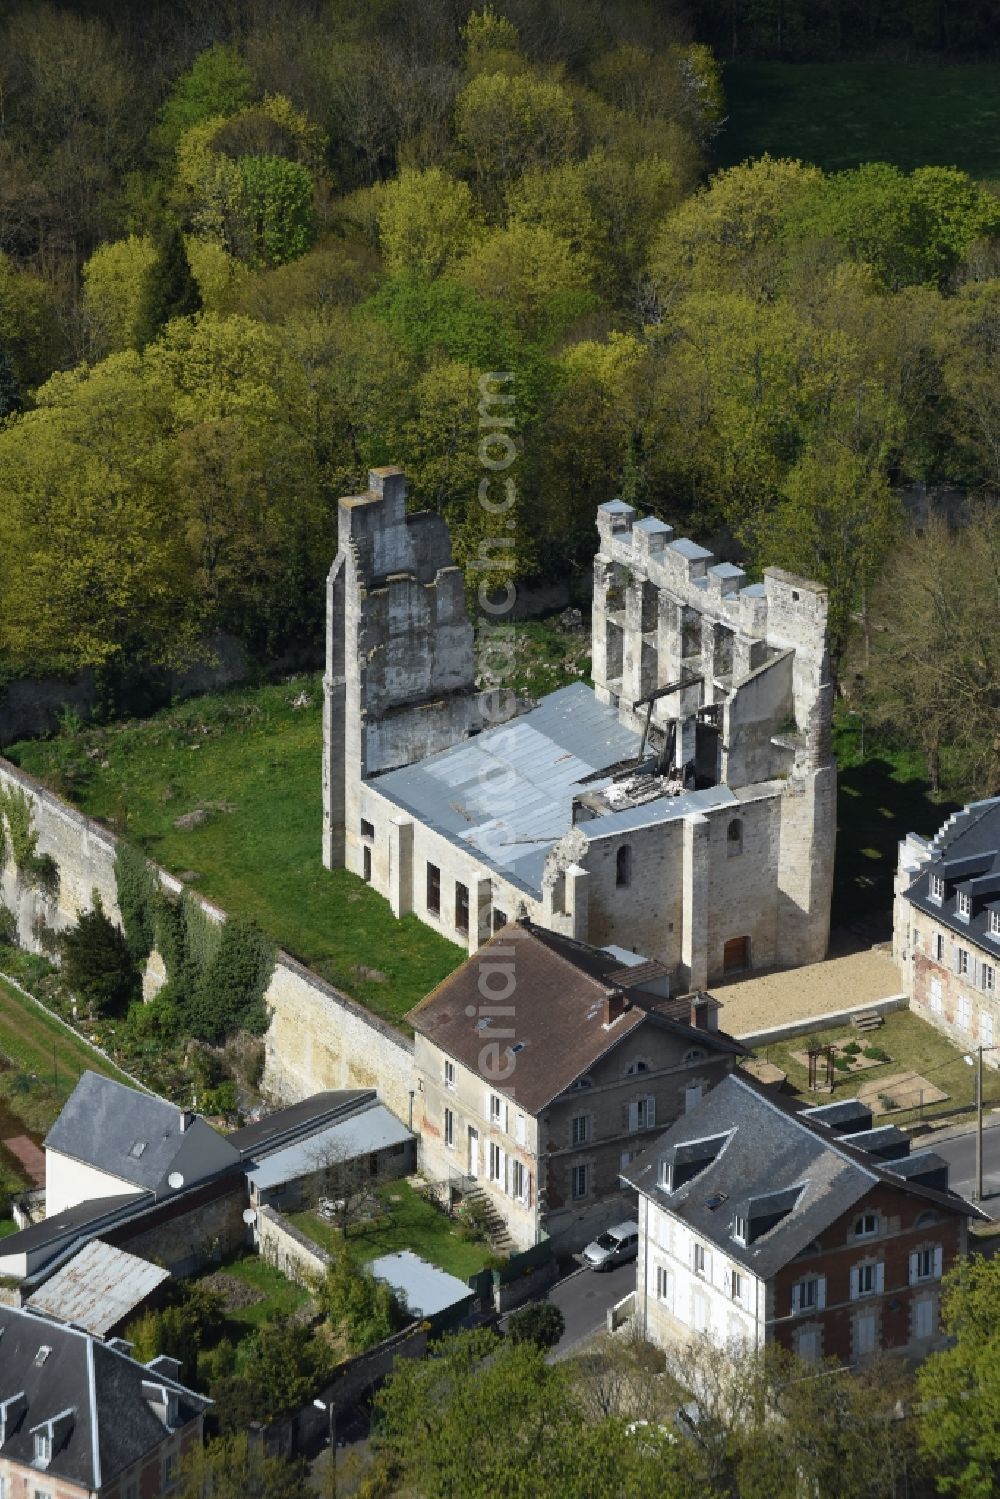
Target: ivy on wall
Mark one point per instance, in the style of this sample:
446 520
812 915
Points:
217 974
18 834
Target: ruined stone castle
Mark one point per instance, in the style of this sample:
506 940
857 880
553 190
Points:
683 808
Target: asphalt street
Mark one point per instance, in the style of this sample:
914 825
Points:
960 1153
584 1298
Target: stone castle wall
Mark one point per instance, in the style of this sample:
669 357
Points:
318 1037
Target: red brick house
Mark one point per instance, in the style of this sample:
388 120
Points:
767 1222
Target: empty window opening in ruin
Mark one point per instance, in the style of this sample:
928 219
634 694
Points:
623 866
461 907
433 890
734 837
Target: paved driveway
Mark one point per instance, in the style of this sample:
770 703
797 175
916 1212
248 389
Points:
584 1298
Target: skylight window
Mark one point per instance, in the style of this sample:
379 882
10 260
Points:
42 1355
138 1148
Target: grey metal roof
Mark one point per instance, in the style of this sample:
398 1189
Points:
965 853
507 794
113 1425
770 1148
70 1222
664 809
98 1288
136 1137
373 1129
426 1289
309 1114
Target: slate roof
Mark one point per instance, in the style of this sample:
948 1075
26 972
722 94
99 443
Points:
298 1119
773 1163
98 1288
965 853
113 1426
71 1221
558 1024
507 794
137 1137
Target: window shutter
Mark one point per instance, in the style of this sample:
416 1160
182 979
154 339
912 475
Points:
796 1298
506 1119
954 958
938 1262
854 1284
727 1281
820 1292
880 1277
914 1272
526 1191
486 1105
650 1111
505 1171
708 1264
519 1129
633 1117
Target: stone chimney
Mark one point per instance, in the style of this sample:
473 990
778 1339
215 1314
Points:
615 1004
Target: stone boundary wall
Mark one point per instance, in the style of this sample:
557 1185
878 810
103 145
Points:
52 1014
825 1022
282 1245
318 1037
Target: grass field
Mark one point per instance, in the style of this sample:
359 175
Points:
282 1296
914 1046
46 1061
252 761
414 1224
841 114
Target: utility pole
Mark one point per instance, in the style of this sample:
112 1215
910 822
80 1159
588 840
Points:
978 1195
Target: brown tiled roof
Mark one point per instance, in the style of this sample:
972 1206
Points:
557 1031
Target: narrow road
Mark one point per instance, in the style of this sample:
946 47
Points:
584 1299
960 1153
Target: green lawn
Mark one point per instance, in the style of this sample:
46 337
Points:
914 1046
46 1061
841 114
253 762
282 1296
415 1224
879 800
7 1227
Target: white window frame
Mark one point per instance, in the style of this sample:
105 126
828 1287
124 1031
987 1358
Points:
736 1286
497 1162
664 1285
963 962
520 1129
449 1128
926 1264
939 947
963 1013
701 1260
864 1232
935 996
963 905
986 1029
740 1229
987 978
496 1109
809 1295
872 1273
995 923
43 1448
936 888
449 1074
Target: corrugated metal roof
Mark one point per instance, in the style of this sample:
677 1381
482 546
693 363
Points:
508 793
98 1288
374 1129
664 809
426 1288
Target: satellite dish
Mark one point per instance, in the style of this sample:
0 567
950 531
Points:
175 1180
249 1216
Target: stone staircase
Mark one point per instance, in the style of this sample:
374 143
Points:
495 1228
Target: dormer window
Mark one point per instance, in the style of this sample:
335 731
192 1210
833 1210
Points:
937 888
740 1229
866 1226
665 1177
637 1066
995 923
43 1448
964 905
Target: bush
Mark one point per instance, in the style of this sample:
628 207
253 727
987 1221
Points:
852 1049
842 1064
97 964
877 1054
8 927
888 1102
366 1308
540 1322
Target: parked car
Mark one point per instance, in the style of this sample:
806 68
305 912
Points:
613 1247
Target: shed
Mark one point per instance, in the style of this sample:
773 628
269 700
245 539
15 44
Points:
373 1140
429 1293
99 1289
